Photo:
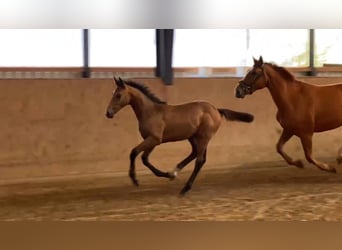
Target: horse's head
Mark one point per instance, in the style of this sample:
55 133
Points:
119 99
255 79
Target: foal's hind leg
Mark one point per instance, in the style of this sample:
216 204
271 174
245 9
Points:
146 162
285 136
307 146
339 156
201 159
186 161
201 148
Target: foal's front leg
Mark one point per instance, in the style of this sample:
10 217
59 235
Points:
155 170
147 145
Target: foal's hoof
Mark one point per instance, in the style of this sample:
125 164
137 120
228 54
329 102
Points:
339 160
184 190
298 164
135 182
332 170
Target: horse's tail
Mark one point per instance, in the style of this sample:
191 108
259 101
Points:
236 116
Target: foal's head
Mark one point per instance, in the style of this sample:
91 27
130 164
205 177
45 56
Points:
119 99
255 79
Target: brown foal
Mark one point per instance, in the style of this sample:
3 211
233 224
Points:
159 123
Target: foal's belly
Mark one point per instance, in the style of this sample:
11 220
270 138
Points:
177 133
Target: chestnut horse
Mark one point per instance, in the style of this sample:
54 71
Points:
303 108
159 123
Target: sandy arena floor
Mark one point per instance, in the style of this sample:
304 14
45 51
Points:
269 191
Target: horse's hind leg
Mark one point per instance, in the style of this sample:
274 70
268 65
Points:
146 162
186 161
307 146
285 136
339 156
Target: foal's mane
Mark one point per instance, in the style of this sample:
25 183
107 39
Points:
283 72
145 90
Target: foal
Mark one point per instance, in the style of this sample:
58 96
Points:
303 108
159 123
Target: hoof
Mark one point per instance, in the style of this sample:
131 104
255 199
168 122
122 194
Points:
135 183
339 160
184 191
329 169
332 170
298 164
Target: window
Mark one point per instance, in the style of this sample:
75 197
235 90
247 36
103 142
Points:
328 47
286 47
40 47
209 47
236 47
122 48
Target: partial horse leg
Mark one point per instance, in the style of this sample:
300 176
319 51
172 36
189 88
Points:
156 171
339 156
307 146
186 161
200 160
284 137
148 143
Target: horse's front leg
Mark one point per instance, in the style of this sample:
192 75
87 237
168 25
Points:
147 146
285 136
307 146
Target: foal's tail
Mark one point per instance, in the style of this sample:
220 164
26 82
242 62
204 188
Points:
236 116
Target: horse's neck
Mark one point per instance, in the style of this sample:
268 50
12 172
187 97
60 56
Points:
280 92
141 105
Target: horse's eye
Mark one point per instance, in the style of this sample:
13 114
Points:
118 96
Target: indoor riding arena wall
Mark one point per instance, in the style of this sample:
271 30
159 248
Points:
58 128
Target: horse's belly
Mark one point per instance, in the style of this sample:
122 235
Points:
327 125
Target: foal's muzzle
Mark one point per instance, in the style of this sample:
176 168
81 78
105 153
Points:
109 115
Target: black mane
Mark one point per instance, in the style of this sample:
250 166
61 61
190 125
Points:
145 90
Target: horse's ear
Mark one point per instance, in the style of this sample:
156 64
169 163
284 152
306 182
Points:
261 61
255 61
119 82
258 63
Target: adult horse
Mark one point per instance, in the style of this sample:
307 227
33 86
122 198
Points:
303 108
159 123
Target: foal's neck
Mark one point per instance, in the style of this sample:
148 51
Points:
141 105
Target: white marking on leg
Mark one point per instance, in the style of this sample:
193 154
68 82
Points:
174 173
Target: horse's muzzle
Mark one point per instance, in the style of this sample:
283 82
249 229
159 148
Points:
239 93
109 115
